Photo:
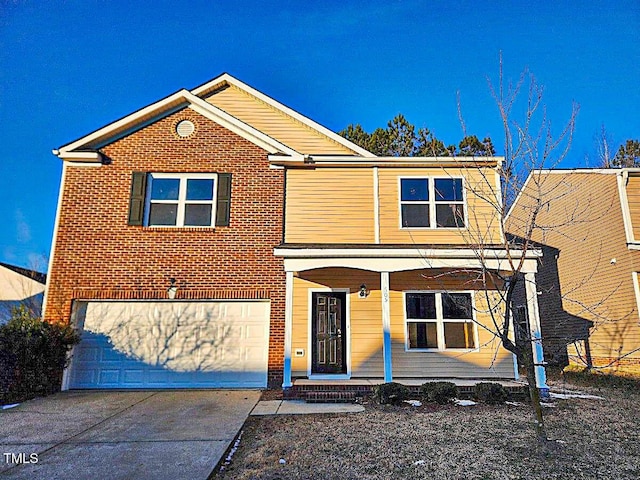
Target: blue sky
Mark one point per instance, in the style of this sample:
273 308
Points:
68 68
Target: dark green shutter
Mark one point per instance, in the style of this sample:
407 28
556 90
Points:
223 209
136 201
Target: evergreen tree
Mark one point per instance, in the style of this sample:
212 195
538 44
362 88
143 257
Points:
628 155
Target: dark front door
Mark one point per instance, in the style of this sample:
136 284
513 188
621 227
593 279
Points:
328 326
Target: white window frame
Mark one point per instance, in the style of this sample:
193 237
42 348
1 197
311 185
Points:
636 290
432 202
440 321
182 198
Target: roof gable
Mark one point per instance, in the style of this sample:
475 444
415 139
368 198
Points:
274 118
85 149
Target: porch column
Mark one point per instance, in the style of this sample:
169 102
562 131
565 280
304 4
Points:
288 326
386 326
535 331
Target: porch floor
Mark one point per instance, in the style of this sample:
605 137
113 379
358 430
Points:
348 390
409 382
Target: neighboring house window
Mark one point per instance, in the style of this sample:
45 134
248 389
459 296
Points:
180 199
431 203
439 321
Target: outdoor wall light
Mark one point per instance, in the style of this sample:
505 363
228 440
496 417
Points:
363 291
173 288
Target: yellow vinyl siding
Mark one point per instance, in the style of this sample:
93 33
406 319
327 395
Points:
481 217
275 123
589 232
365 318
329 205
489 360
633 197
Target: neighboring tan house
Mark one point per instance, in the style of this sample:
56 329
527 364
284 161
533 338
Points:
589 294
217 238
20 287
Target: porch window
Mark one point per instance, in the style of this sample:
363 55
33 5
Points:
439 321
431 203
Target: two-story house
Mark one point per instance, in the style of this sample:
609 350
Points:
217 238
589 222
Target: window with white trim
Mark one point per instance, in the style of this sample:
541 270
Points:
439 321
181 200
431 202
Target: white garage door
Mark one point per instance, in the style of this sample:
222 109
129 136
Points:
171 345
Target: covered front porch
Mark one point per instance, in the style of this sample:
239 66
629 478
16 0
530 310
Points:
372 315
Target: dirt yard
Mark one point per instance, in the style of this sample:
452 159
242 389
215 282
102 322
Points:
589 439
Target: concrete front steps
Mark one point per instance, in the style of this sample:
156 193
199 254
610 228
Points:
348 391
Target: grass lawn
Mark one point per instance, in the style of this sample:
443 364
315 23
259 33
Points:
595 439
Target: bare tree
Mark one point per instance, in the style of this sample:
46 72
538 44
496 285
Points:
530 145
603 145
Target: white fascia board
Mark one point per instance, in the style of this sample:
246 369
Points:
239 127
466 162
151 113
279 159
174 101
377 264
567 171
623 179
226 78
81 157
401 253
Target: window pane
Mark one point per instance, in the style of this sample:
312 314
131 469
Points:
200 189
448 189
450 215
456 305
165 188
422 335
421 305
415 215
197 215
458 335
414 189
163 214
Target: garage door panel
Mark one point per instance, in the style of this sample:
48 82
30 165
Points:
171 345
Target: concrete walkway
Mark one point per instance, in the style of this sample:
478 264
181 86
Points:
122 435
300 407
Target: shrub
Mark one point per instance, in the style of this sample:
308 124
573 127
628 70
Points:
439 392
490 392
33 355
390 393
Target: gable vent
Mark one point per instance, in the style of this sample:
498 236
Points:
185 128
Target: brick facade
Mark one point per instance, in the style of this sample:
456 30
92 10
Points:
99 256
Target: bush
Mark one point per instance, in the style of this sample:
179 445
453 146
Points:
33 355
390 393
490 392
439 392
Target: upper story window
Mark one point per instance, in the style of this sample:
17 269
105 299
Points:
431 203
180 199
439 321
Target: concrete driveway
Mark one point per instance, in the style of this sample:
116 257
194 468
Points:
122 435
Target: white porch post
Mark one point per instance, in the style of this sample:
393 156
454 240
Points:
535 331
386 326
288 326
